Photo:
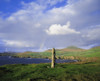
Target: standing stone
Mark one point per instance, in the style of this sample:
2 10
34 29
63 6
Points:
53 58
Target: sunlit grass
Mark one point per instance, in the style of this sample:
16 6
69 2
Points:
63 53
80 71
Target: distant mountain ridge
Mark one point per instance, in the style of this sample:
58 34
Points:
73 47
95 47
65 53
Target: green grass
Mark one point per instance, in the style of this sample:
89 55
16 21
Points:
94 52
43 72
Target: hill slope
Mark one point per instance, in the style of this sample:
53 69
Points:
66 53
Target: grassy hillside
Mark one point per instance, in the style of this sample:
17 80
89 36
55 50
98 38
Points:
66 53
43 72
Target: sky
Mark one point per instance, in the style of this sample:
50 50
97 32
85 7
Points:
38 25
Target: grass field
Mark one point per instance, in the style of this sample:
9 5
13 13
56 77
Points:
42 72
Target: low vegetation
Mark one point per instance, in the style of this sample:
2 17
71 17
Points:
80 71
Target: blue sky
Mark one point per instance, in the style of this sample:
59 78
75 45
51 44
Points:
37 25
7 7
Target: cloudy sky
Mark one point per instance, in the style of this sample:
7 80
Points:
37 25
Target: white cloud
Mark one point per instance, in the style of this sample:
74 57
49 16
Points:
68 10
57 29
30 11
26 26
93 33
48 2
17 43
37 25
